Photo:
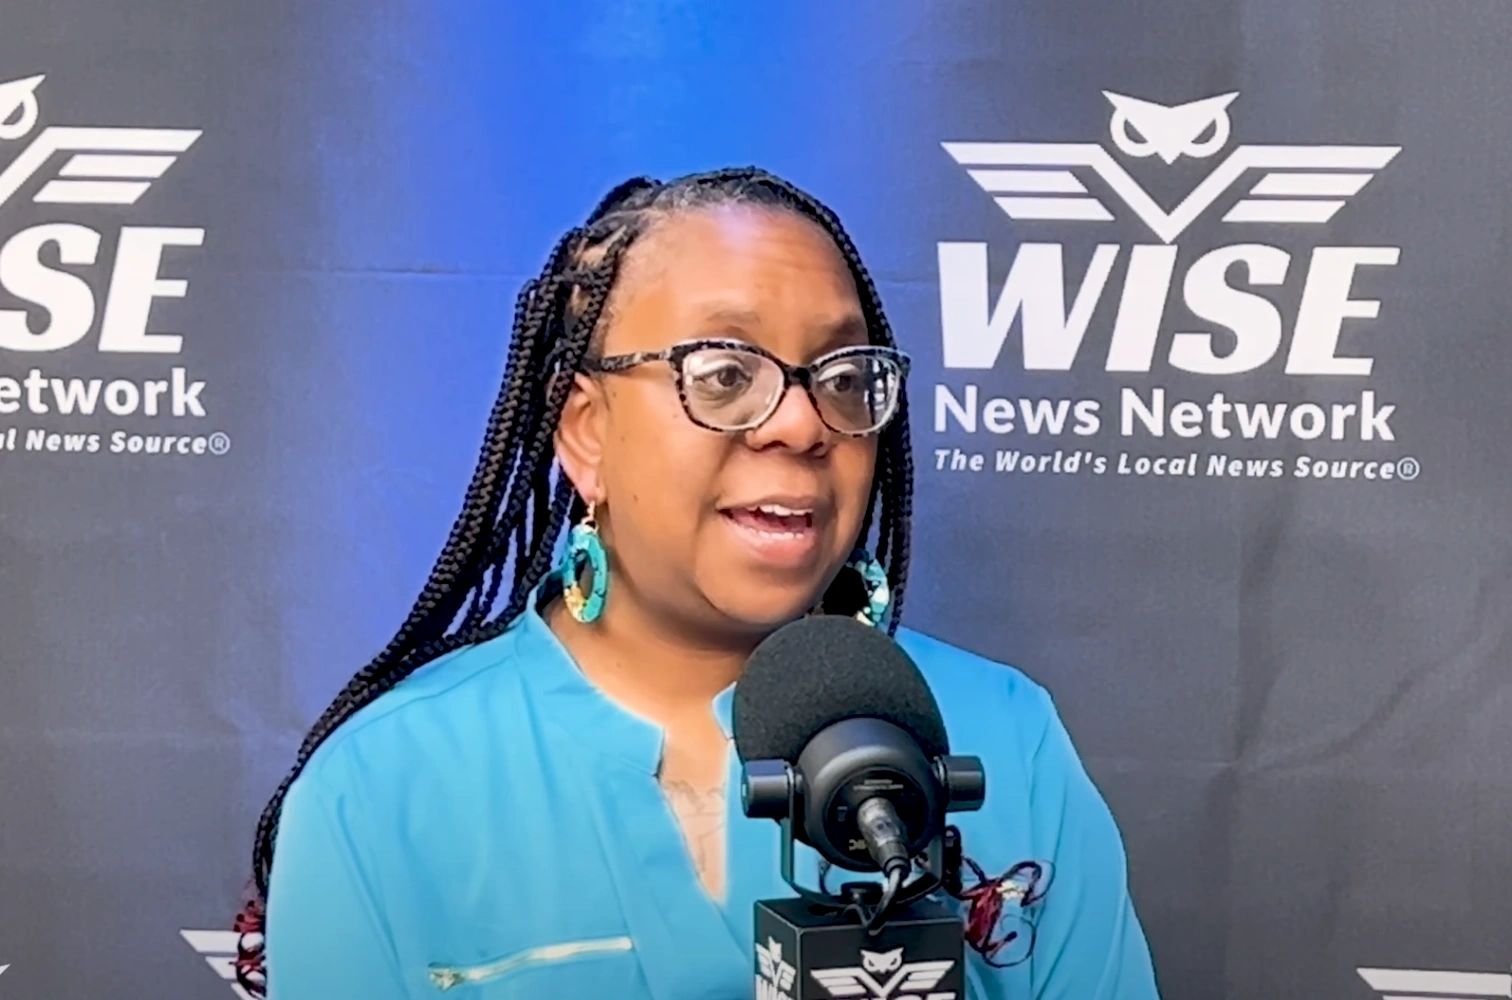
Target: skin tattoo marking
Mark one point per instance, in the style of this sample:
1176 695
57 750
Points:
701 814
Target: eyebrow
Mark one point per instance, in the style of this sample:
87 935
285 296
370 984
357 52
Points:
853 325
733 316
834 333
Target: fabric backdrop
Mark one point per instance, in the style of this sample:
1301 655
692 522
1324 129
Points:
1207 303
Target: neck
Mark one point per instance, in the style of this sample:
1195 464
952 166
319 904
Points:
657 665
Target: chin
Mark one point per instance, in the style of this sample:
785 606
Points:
763 609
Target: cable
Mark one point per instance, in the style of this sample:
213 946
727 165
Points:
889 893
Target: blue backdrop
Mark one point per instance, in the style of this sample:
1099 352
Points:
1289 688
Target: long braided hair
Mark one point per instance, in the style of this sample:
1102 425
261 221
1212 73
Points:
515 508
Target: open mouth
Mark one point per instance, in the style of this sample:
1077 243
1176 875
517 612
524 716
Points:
772 519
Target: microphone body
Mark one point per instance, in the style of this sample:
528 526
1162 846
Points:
842 742
859 782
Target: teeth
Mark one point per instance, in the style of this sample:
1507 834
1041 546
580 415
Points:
781 511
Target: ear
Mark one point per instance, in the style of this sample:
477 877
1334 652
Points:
579 437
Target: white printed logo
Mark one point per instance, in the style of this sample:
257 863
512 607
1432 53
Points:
18 107
218 948
899 980
3 968
1170 133
1245 318
79 170
776 979
106 166
1300 184
98 166
1411 984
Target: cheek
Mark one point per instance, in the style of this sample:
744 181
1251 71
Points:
852 463
660 484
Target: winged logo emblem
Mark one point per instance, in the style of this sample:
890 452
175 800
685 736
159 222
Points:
218 949
858 981
18 107
1411 984
1045 180
102 165
773 968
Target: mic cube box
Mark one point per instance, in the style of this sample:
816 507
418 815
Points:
804 954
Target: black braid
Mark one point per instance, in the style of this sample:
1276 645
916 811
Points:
514 509
899 518
895 458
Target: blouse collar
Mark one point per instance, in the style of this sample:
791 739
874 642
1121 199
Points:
603 724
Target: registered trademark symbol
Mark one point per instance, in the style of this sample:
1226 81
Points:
220 443
1408 469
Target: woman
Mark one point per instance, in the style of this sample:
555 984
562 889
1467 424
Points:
525 793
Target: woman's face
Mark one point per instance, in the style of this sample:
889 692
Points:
680 505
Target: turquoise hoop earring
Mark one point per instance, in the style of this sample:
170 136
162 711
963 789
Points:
584 545
878 594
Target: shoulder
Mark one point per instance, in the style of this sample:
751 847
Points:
440 704
985 703
962 679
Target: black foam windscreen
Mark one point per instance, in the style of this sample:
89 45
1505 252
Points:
822 669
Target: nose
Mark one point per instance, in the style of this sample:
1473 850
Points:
795 425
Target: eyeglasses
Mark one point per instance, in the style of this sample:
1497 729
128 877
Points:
730 385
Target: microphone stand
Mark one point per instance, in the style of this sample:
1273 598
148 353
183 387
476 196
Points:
870 941
870 901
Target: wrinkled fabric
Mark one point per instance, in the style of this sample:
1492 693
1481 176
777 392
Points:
494 826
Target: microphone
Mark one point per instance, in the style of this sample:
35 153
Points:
840 734
843 744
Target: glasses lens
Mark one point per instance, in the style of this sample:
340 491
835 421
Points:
729 389
857 393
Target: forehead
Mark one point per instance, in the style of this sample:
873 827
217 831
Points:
764 275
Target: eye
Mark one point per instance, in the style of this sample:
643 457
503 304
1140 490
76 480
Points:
844 378
718 373
845 382
728 377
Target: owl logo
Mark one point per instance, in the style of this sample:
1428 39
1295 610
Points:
881 975
1170 133
882 961
18 107
1033 181
104 166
